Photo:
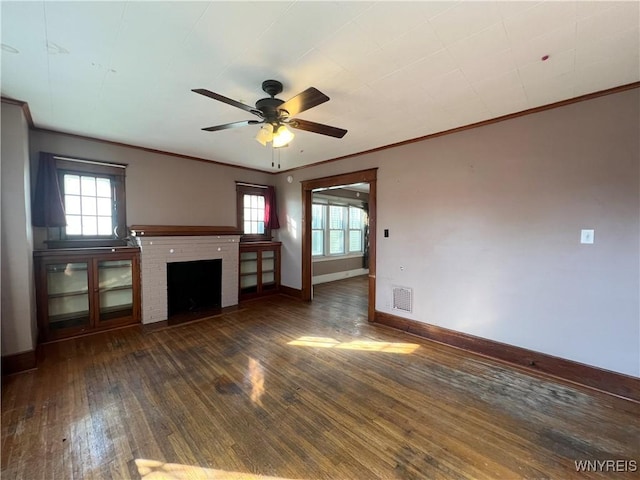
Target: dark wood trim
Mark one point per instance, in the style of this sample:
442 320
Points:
243 189
307 259
19 362
146 149
362 176
65 252
530 111
85 243
582 98
613 383
259 248
116 173
92 258
23 105
291 292
182 230
373 199
251 246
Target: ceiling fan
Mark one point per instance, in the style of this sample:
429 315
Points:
275 114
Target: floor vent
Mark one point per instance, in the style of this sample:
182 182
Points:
402 298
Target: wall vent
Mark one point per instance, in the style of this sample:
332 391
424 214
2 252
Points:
402 298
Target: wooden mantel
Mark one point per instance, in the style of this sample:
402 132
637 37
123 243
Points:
181 230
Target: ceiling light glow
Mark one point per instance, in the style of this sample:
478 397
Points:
282 136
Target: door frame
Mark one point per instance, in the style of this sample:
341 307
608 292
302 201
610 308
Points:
363 176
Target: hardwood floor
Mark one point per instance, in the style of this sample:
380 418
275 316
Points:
284 389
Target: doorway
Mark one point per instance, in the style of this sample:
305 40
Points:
308 186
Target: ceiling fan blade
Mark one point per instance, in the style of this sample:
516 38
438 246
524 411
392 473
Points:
310 98
243 123
226 100
317 128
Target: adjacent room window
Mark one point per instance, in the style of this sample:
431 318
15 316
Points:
356 229
336 229
317 229
251 212
337 224
94 199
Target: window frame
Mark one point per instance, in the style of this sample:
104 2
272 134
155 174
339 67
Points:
322 229
243 189
349 229
326 255
329 230
116 173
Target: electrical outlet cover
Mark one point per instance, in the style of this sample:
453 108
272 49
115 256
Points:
587 236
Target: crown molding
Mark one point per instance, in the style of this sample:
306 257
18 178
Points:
21 104
530 111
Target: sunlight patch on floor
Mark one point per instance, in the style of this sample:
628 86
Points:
256 377
362 345
155 470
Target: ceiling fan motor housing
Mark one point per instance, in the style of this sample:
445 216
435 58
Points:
272 87
269 109
269 106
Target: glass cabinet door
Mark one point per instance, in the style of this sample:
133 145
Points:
68 295
259 269
115 289
249 272
268 268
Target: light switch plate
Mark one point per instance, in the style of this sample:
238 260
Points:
587 236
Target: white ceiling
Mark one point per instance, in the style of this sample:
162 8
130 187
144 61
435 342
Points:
123 71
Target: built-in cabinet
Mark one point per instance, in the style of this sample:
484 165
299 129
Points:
80 291
259 269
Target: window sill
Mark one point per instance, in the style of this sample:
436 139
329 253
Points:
255 238
85 243
328 258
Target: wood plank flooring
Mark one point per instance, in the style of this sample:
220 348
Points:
282 389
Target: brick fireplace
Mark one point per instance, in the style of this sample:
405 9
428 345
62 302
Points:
158 251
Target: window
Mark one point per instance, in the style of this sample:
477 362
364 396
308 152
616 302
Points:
251 212
356 231
337 224
336 229
94 200
88 205
317 229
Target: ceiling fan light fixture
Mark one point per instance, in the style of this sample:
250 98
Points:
265 134
282 136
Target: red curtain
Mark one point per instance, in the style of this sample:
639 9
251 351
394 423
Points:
48 207
270 209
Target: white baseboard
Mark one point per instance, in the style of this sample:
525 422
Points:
332 277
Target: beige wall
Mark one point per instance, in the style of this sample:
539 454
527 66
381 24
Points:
161 189
485 224
16 244
485 227
325 267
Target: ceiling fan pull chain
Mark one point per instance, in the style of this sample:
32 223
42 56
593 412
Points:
272 159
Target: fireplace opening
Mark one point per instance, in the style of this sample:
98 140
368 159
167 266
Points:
194 289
